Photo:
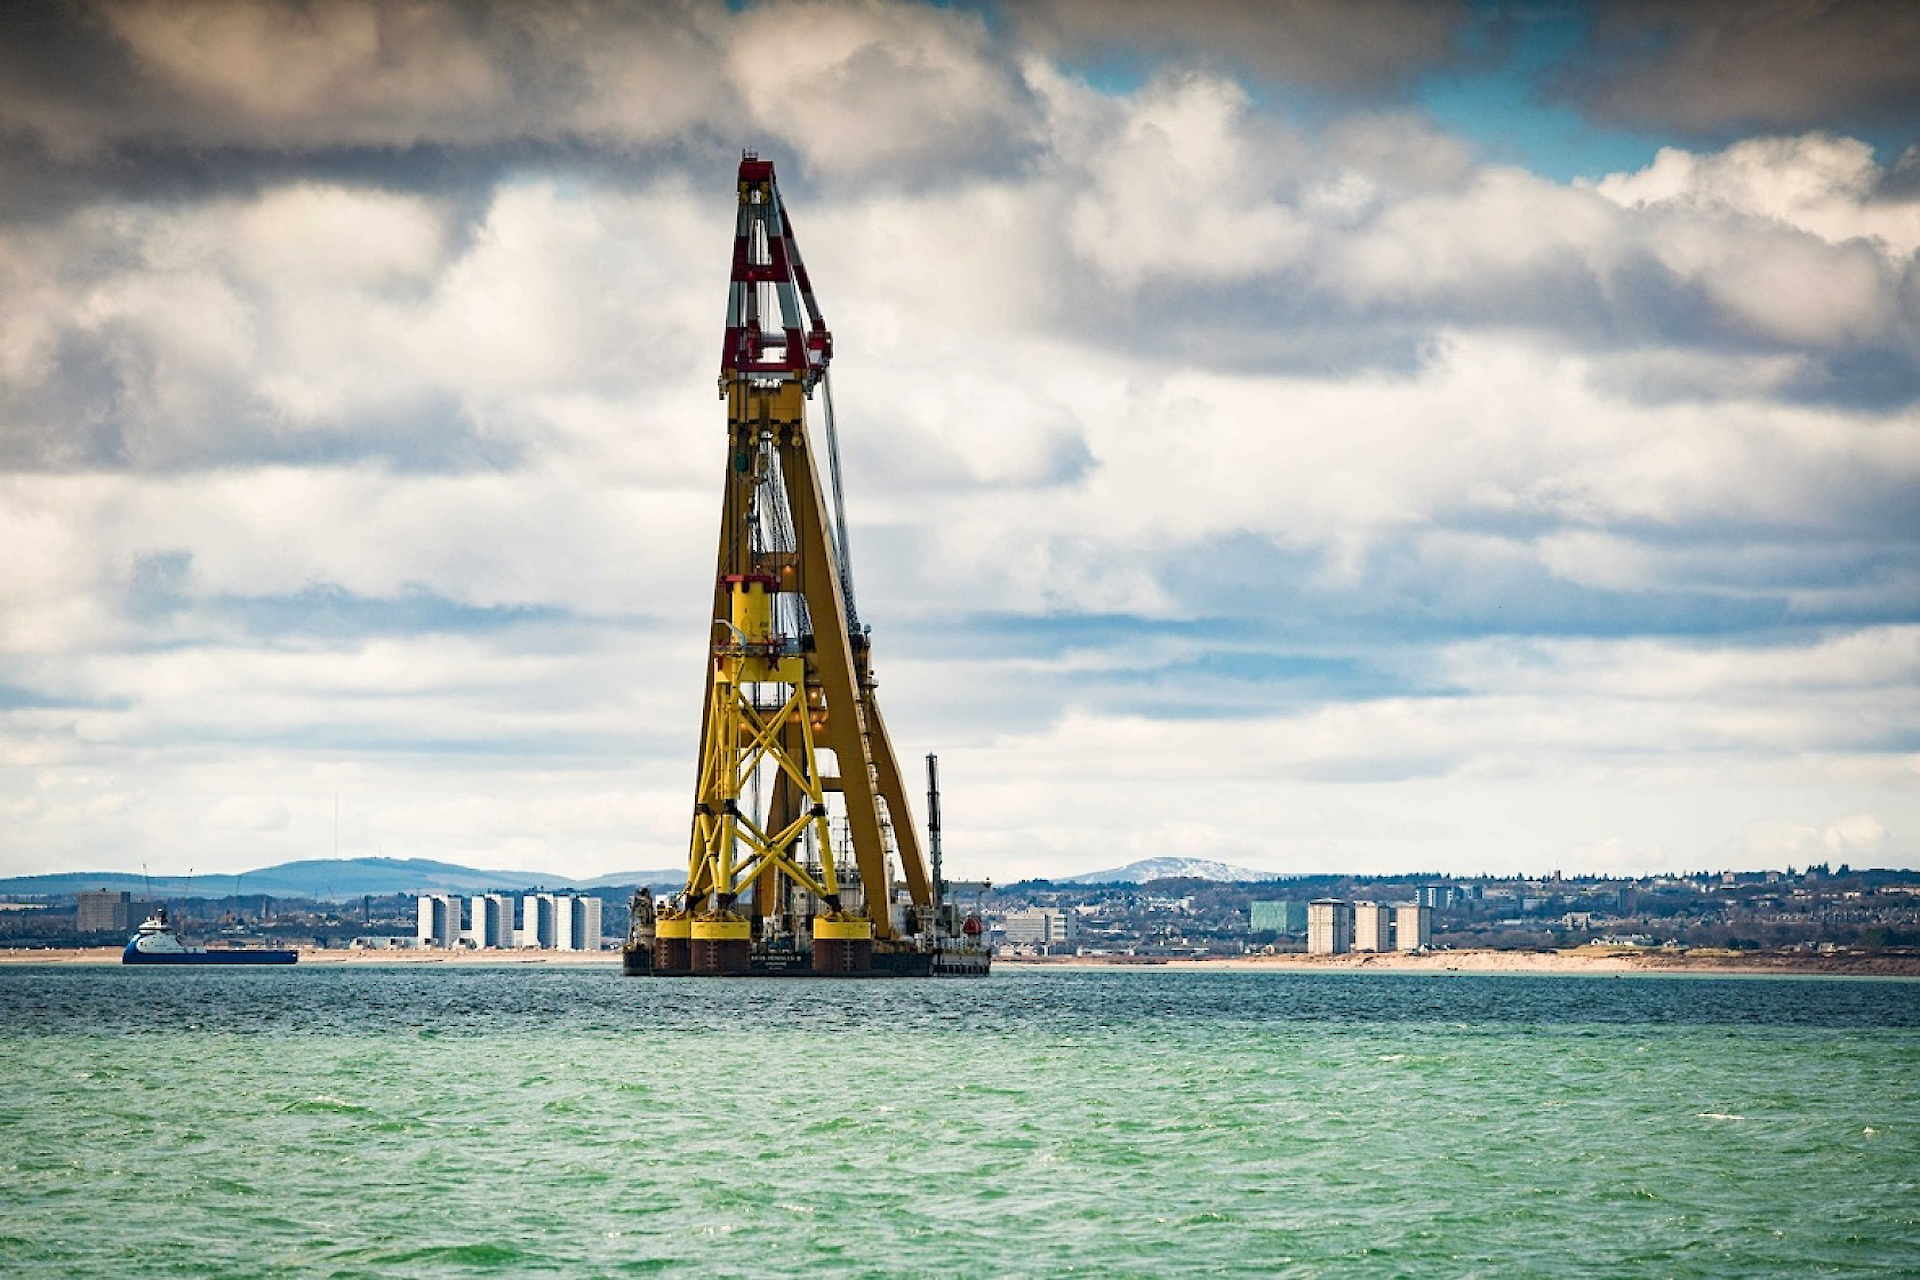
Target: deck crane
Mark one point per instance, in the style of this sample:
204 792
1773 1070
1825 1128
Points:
795 765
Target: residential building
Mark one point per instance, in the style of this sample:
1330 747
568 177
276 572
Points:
1329 927
1040 927
1372 926
536 921
493 921
1413 926
586 923
1277 917
546 921
104 911
439 920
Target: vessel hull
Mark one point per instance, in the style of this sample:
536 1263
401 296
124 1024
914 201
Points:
781 964
262 956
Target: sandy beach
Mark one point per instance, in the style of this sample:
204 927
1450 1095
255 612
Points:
320 955
1578 960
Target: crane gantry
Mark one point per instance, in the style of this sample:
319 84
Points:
795 764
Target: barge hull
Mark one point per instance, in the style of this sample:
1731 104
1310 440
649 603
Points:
639 963
133 956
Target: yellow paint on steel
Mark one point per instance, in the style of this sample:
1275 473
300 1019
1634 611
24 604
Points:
772 705
752 611
853 929
721 929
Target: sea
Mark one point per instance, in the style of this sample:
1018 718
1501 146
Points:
466 1120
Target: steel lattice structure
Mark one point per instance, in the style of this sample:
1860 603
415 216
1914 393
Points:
796 767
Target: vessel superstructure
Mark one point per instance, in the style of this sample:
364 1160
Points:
157 941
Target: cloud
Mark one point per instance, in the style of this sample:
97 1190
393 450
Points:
1172 192
353 73
209 95
1380 45
1189 436
874 88
1857 838
1818 183
1219 238
1787 239
1703 67
317 323
248 813
1359 243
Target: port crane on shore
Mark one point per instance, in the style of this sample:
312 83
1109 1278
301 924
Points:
796 769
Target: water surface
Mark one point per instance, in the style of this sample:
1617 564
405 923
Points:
455 1121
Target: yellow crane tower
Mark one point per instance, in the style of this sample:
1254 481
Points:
795 765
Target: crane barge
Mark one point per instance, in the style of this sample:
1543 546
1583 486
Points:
803 858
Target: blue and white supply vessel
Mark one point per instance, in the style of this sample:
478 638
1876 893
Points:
158 943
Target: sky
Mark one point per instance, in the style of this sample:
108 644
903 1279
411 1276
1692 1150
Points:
1323 437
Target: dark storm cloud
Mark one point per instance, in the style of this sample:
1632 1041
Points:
1708 68
37 186
179 101
155 99
61 67
103 99
1345 46
320 73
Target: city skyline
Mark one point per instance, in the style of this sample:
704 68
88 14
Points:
1355 439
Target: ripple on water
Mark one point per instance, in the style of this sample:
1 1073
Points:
474 1122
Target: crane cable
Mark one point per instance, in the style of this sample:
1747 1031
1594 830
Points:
843 557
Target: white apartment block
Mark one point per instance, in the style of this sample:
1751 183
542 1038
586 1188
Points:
1040 927
586 923
439 920
547 922
531 932
1413 926
1372 926
1329 927
492 921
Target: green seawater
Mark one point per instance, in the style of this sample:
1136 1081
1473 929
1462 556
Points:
471 1121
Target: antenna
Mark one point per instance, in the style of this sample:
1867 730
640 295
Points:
933 825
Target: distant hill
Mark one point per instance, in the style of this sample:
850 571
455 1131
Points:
329 879
1167 869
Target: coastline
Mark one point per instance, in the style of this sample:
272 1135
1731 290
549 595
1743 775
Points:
338 956
1573 960
1577 960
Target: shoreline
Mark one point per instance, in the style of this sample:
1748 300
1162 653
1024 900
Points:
337 956
1573 960
1578 960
